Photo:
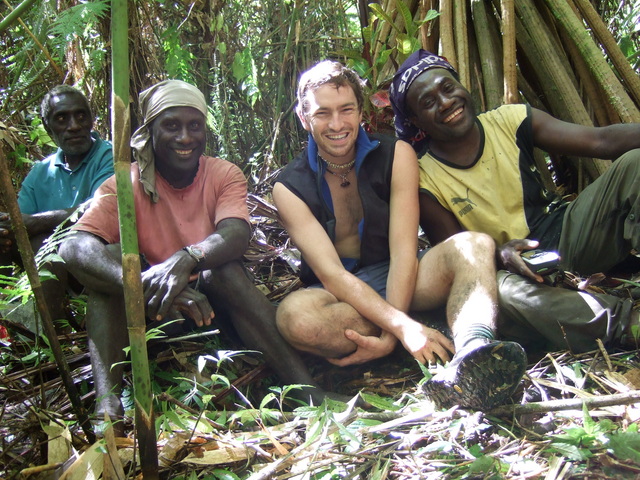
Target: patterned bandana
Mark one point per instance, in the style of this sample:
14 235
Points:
412 68
153 101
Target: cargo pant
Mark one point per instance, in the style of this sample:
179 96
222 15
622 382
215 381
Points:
540 317
602 225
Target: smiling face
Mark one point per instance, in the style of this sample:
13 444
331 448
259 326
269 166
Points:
69 124
333 119
178 137
441 106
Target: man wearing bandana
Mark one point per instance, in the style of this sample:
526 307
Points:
477 173
193 228
350 204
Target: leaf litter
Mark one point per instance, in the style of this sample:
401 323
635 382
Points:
219 416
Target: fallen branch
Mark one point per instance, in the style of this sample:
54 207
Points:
572 404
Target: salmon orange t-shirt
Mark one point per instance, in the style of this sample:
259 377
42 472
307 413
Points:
181 217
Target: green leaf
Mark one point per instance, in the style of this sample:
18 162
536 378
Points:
572 452
383 403
625 445
483 464
378 12
410 26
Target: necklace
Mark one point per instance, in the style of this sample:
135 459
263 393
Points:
343 176
337 166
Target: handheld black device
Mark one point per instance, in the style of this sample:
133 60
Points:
541 262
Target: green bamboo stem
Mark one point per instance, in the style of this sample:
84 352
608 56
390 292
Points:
603 74
29 263
133 293
15 14
602 33
489 53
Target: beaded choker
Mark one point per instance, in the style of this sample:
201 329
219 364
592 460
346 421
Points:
337 166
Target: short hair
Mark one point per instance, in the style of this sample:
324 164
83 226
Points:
328 72
45 106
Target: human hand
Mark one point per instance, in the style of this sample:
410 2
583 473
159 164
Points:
163 283
368 348
193 304
427 345
509 255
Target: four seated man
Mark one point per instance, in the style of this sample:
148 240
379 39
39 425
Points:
351 204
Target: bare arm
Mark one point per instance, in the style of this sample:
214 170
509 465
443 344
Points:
319 252
557 136
437 222
403 228
163 282
87 258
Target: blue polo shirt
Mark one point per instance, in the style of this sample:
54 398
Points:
50 185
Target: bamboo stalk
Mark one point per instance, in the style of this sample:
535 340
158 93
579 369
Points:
591 91
510 80
15 14
603 74
133 293
537 44
447 43
489 52
602 33
461 40
28 260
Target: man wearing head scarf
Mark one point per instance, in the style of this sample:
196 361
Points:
477 173
193 228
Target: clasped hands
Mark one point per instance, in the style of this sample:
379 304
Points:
168 295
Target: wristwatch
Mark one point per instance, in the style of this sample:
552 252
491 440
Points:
195 252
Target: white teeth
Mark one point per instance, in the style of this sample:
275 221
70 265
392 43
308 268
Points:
337 137
183 152
453 115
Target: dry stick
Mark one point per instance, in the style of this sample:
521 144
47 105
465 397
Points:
28 260
510 82
573 404
592 54
446 32
609 43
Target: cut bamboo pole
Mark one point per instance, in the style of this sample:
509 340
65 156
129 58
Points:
131 276
510 80
603 74
447 43
461 41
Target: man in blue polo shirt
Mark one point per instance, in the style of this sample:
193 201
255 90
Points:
57 185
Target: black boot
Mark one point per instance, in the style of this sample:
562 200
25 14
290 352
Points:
479 377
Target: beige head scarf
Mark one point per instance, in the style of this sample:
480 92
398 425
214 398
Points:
153 101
